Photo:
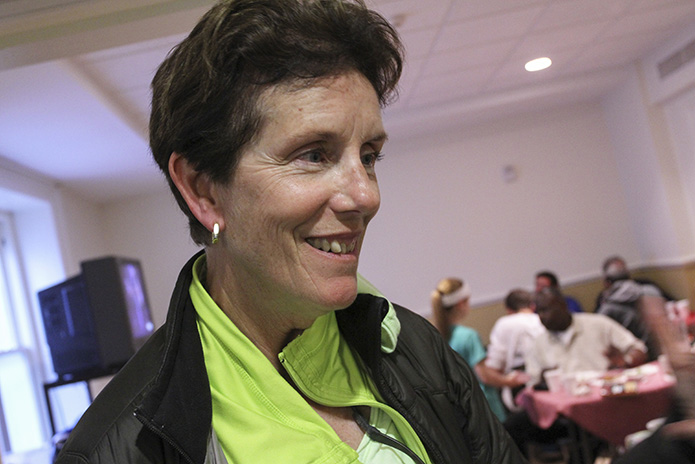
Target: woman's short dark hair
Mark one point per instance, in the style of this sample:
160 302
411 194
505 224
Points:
205 94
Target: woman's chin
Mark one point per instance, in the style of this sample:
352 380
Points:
340 295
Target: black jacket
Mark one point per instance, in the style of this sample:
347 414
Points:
158 409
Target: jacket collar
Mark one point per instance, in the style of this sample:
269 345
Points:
360 324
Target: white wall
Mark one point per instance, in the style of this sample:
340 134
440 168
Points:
640 173
83 236
152 229
447 211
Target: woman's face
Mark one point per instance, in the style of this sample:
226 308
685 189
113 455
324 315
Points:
298 205
462 309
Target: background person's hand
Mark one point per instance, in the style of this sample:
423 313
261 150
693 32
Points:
674 344
615 357
517 379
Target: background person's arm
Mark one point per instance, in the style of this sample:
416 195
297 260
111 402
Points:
675 345
497 378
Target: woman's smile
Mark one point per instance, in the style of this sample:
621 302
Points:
334 246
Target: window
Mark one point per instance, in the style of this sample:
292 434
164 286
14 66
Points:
22 420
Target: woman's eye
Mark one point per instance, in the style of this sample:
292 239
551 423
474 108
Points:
370 159
313 157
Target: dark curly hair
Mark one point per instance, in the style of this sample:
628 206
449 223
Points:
205 94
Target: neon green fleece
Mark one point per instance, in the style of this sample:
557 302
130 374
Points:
258 416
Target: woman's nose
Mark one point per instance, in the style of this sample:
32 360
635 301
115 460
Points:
357 189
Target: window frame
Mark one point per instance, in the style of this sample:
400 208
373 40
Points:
26 327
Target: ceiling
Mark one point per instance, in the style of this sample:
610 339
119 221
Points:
75 74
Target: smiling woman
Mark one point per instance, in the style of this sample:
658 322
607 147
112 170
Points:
267 123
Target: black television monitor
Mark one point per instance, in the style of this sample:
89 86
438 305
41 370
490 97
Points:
97 320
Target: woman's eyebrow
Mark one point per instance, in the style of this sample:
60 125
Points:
380 137
328 135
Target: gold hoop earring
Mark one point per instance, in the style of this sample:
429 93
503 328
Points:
215 233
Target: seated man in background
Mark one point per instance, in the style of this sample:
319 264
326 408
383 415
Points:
547 279
578 342
621 301
571 343
615 265
509 339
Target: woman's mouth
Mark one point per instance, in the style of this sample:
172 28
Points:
332 246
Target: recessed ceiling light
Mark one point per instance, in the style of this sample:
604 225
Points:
538 64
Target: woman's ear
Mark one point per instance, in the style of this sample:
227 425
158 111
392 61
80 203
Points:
198 191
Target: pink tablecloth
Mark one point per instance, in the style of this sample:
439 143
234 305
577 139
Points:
610 418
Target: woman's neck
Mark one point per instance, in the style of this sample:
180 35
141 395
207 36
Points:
255 316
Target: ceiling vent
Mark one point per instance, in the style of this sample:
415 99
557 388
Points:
677 60
670 69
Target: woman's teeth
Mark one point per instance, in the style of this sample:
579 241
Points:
333 246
